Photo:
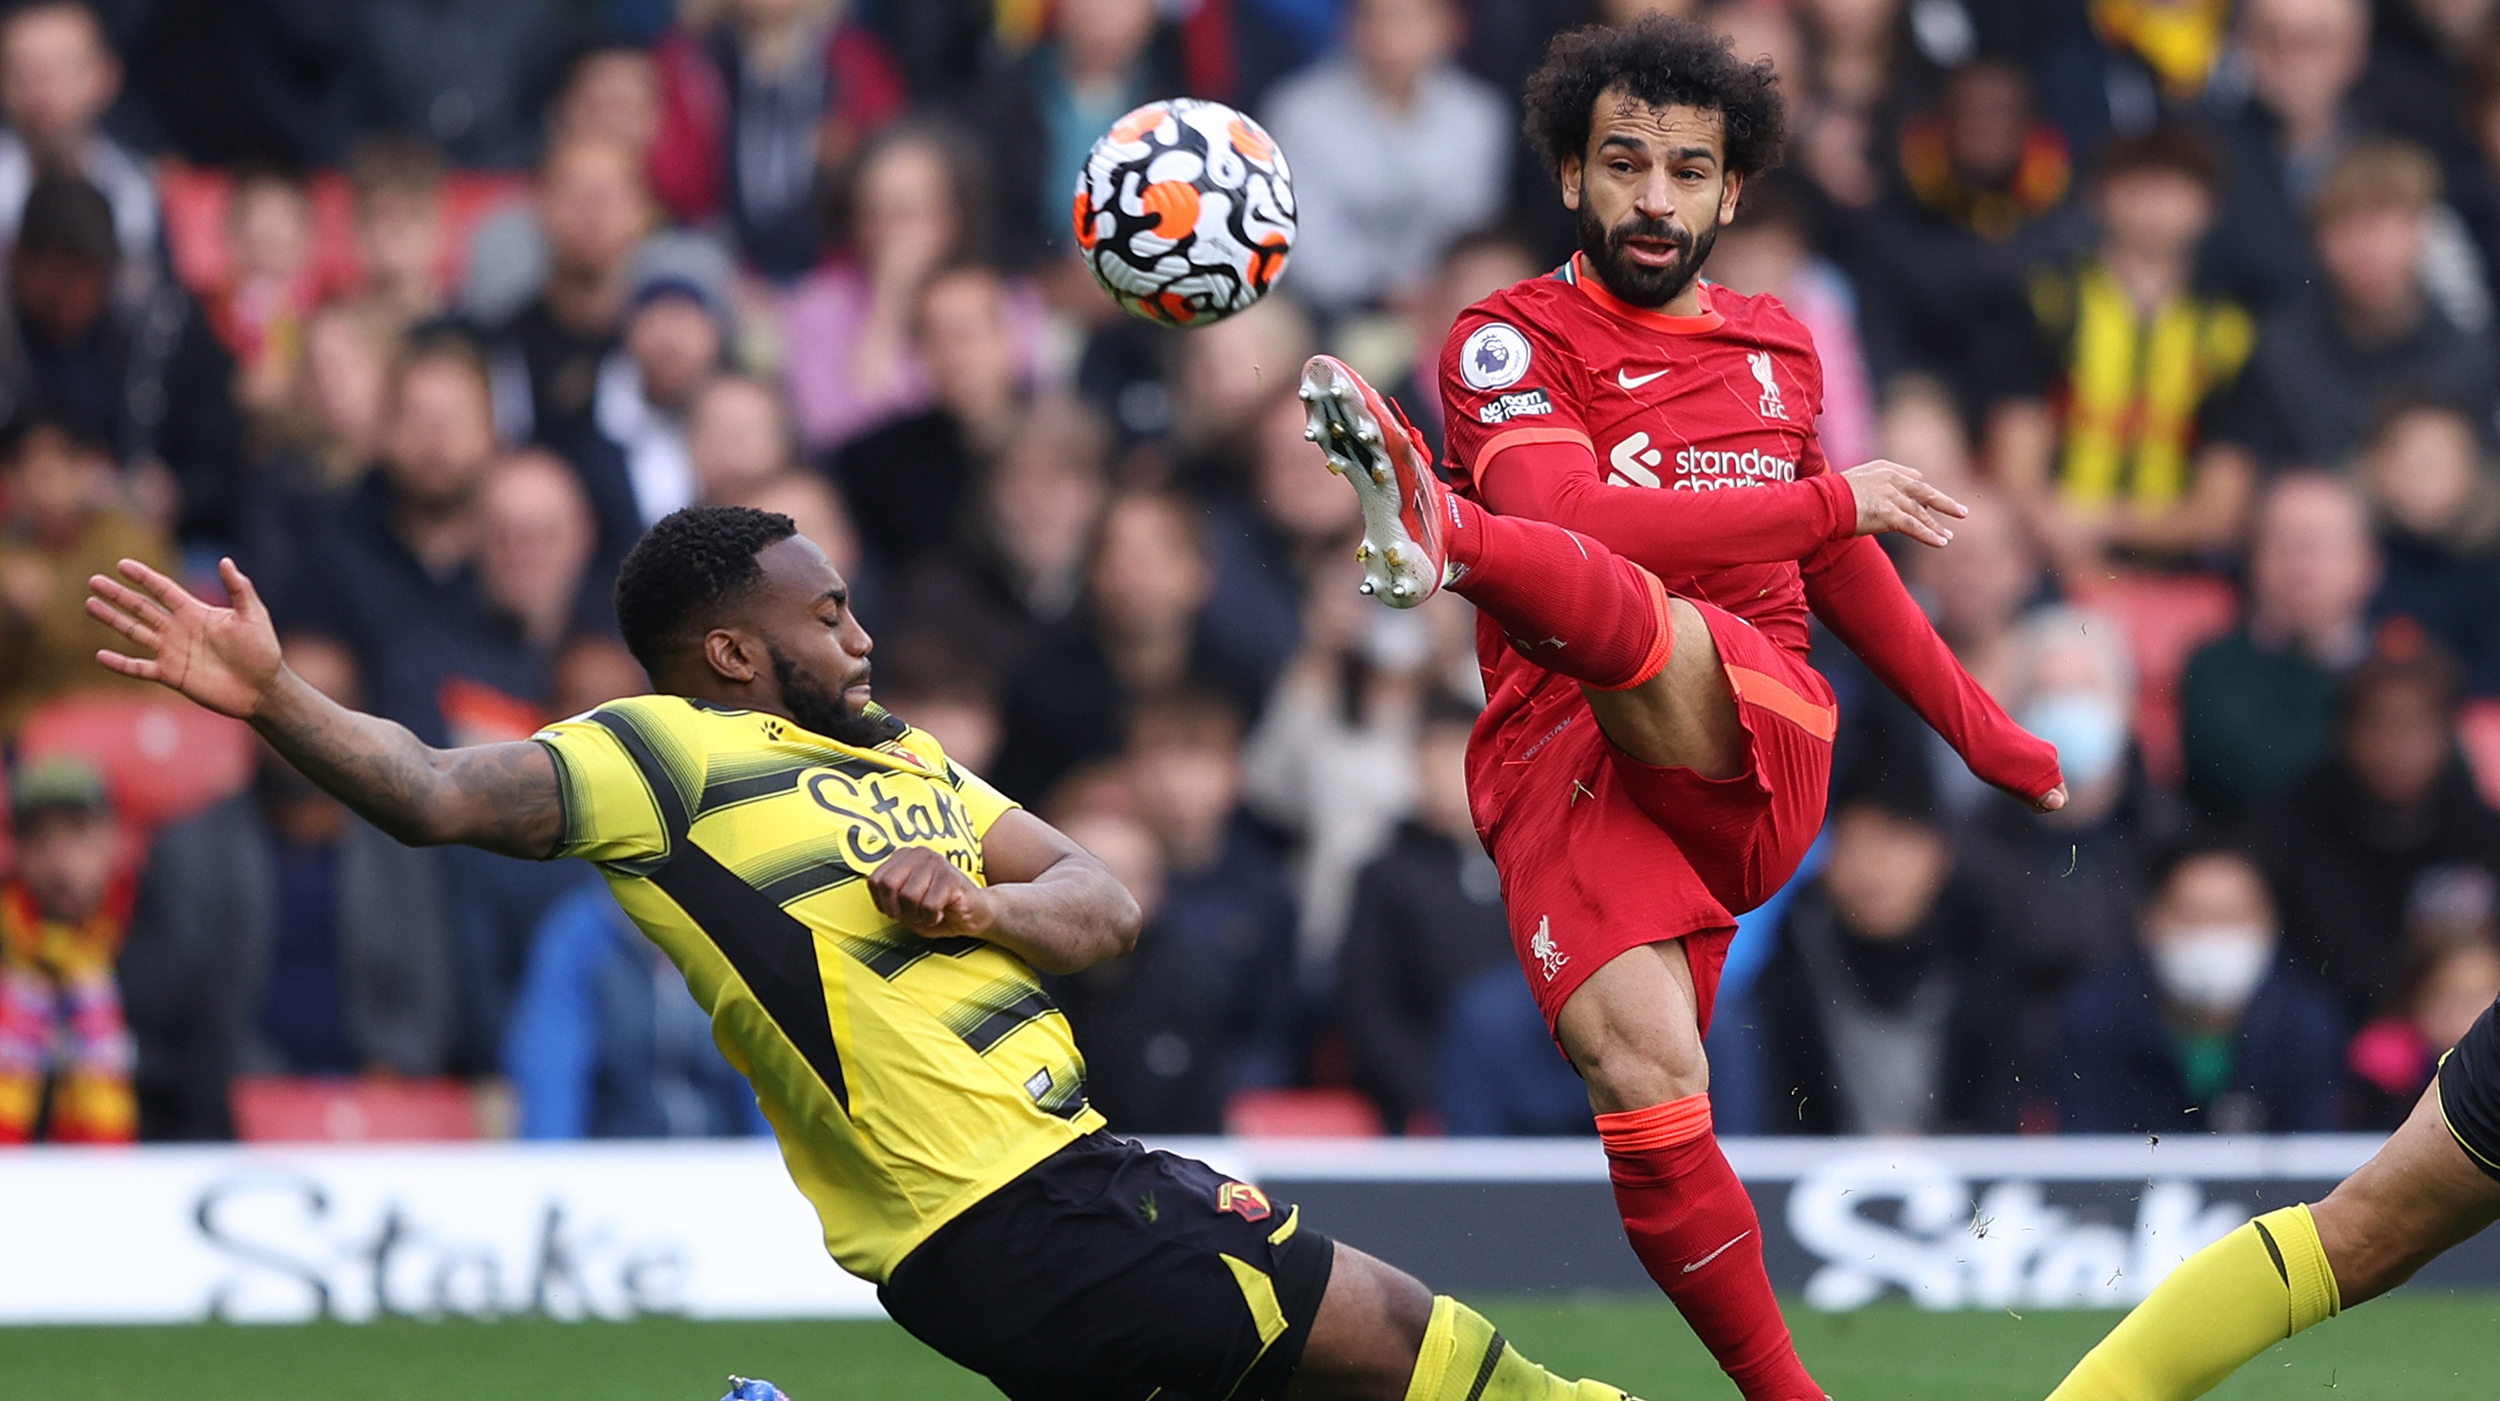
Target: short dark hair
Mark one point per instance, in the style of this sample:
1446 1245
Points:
1663 62
2171 146
66 215
688 567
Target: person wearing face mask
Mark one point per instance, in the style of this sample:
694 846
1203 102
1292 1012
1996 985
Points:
2060 889
2348 843
2203 1025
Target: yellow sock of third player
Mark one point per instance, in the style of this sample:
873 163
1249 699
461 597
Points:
2228 1302
1463 1356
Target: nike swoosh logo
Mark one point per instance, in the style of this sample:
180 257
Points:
1629 382
1715 1254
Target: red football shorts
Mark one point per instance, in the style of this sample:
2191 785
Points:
1601 853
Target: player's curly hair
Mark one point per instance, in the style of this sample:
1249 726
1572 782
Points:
688 567
1663 62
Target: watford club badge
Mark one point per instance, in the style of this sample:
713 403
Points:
1244 1201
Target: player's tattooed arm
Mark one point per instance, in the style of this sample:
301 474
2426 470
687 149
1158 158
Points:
1048 901
503 797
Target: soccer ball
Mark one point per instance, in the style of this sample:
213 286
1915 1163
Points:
1185 212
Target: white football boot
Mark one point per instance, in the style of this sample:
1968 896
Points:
1408 513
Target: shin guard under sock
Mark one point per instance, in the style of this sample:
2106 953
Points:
1568 604
1694 1230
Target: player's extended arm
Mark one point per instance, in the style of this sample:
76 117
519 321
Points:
503 797
1048 901
1673 533
1854 589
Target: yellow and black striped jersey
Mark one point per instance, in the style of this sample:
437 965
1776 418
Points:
906 1077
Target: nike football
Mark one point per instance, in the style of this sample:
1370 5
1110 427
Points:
1185 212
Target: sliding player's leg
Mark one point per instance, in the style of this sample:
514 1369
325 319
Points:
1633 1031
2434 1184
1382 1336
1646 661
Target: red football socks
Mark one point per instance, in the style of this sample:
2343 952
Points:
1568 603
1694 1228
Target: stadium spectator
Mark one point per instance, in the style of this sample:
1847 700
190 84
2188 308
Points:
1045 110
2438 509
1943 262
2327 363
1017 571
1144 631
2257 707
1396 152
909 207
65 1048
58 75
310 452
596 211
1298 522
537 547
604 1040
2347 844
1331 762
2059 890
737 437
472 75
678 327
1225 897
2304 60
400 236
905 482
1426 918
2446 984
62 518
279 933
140 371
1497 1072
611 93
1769 249
755 108
2138 457
1881 1012
1476 266
1228 374
394 576
939 686
1151 1025
2204 1026
273 290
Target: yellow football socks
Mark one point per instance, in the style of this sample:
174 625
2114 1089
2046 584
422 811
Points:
2228 1302
1463 1357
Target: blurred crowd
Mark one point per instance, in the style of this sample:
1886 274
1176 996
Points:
423 309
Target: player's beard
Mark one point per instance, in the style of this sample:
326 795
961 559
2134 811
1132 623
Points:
1635 282
817 708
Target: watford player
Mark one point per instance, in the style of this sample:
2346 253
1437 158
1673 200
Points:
1643 518
863 921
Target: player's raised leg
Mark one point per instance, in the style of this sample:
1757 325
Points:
1381 1336
1645 659
2434 1184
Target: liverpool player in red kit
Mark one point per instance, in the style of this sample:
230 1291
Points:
1643 517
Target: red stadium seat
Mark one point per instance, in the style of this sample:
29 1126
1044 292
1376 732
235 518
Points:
194 199
164 757
288 1109
2168 616
1324 1113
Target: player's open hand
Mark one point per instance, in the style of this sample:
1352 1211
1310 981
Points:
923 892
1894 497
223 658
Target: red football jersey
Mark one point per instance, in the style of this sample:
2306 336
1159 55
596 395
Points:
1724 400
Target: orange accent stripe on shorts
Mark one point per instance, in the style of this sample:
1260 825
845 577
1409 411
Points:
1775 696
1662 646
1509 438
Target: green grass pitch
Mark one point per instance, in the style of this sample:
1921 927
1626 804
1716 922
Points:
2412 1347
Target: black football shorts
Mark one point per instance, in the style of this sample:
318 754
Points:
2469 1090
1109 1272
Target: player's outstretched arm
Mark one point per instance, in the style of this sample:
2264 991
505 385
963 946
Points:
503 797
1048 901
1854 589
